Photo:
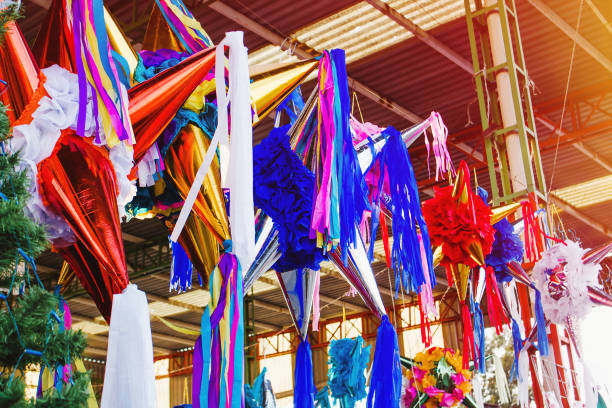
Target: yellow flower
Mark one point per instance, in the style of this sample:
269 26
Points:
436 353
429 381
465 386
431 404
455 360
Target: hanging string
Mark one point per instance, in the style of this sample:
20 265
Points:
567 85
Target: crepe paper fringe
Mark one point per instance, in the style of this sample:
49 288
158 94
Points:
507 247
523 379
348 360
283 188
477 391
501 382
533 233
341 192
444 163
386 373
494 302
541 323
479 337
181 268
517 342
322 398
304 388
469 352
406 254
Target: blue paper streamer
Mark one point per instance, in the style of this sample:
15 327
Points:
386 377
479 335
353 194
304 392
517 342
541 322
181 268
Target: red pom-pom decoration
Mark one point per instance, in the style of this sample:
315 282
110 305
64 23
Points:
457 226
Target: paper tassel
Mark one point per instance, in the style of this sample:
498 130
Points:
517 343
479 337
501 382
425 324
181 268
469 352
341 195
477 391
523 379
494 302
240 177
444 164
129 347
386 375
304 389
322 398
533 233
541 323
196 376
223 337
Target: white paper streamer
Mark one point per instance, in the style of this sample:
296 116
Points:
501 381
523 379
477 391
129 378
240 163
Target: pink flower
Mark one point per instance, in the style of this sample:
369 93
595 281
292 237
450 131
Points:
448 400
410 395
432 391
458 378
418 373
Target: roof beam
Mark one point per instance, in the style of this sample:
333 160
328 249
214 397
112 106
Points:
104 339
156 336
571 33
579 215
599 15
304 52
422 35
578 145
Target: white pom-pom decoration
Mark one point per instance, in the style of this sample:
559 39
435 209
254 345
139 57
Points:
563 281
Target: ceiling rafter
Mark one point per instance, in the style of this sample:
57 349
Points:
571 33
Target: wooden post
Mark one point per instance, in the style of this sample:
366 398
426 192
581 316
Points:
523 292
556 346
